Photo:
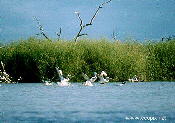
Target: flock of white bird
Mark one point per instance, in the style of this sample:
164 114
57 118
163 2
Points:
64 81
89 81
4 77
103 78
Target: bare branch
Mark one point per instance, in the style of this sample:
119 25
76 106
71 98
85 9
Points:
96 12
59 34
79 17
41 28
82 34
81 26
168 38
91 20
114 35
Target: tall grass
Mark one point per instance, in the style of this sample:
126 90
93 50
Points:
35 59
161 60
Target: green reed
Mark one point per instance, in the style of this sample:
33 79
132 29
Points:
35 59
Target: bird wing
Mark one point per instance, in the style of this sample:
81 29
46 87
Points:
59 73
2 64
93 79
103 73
107 79
85 76
57 69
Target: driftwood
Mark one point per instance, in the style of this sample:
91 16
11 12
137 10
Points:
82 25
41 28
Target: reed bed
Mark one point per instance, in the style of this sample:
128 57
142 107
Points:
35 59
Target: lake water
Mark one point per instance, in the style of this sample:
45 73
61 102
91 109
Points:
133 102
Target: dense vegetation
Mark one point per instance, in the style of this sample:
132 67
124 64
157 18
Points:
35 59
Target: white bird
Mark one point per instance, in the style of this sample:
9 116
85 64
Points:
20 78
45 81
63 81
134 79
89 80
77 12
123 83
3 75
102 79
48 83
103 73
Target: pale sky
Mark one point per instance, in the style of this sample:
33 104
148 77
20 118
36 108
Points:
138 19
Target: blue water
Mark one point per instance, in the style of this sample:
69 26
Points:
101 103
138 19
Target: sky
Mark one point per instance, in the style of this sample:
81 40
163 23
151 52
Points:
136 19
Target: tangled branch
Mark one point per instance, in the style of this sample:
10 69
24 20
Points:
82 26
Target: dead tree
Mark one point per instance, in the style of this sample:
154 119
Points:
82 25
59 34
41 29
